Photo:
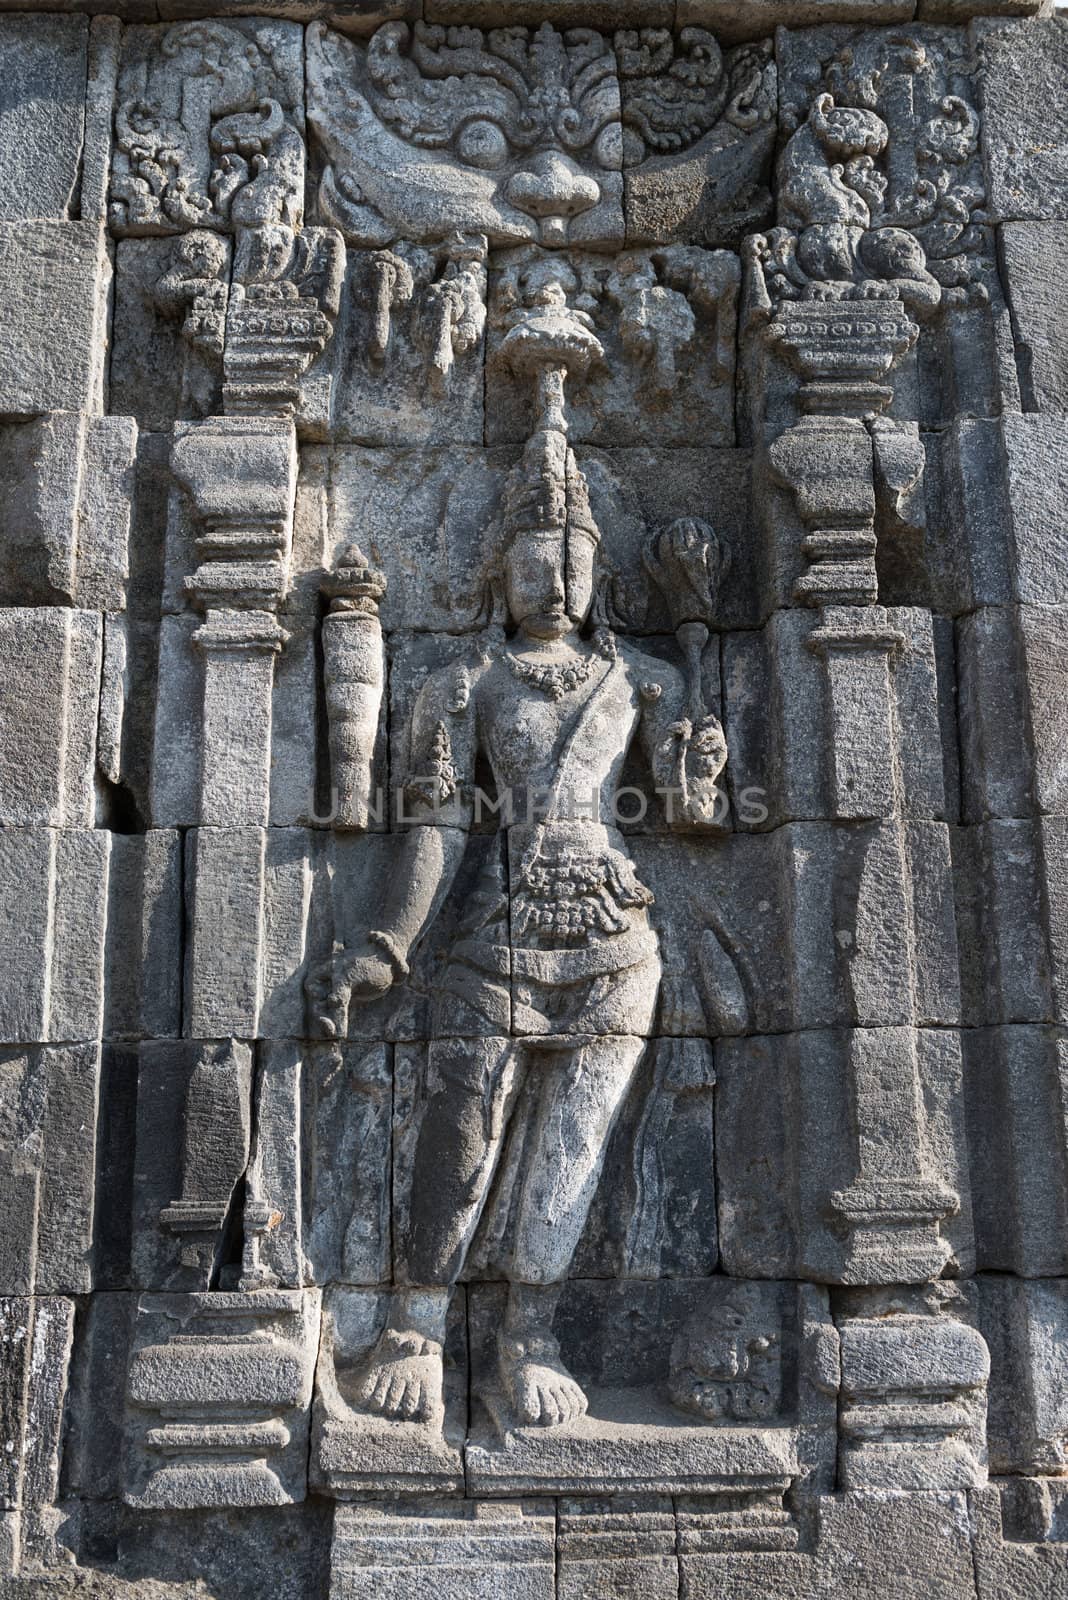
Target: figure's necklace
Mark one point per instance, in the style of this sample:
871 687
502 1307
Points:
554 678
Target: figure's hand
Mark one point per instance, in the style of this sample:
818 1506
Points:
695 755
347 975
706 755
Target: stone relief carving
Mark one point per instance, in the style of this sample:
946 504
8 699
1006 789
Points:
587 1197
658 328
446 291
879 186
727 1364
523 134
208 128
699 129
513 133
551 985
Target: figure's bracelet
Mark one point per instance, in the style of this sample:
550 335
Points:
386 942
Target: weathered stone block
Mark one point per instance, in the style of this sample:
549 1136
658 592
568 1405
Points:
784 1180
36 1336
53 319
93 1459
814 938
43 66
194 1119
1012 1521
1009 881
663 323
1024 1325
690 1383
915 1355
48 1121
50 668
605 1546
655 1212
780 733
357 1452
144 950
278 899
425 517
218 1396
1013 728
1014 1095
1030 252
408 355
53 894
1001 483
162 366
706 183
249 60
873 1547
1025 118
476 1549
349 1099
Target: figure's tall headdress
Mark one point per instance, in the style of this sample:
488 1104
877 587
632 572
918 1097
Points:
546 493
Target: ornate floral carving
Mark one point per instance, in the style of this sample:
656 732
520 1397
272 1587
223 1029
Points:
517 133
698 132
207 128
513 133
675 90
482 92
879 184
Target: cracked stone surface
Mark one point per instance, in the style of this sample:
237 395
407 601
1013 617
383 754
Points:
533 800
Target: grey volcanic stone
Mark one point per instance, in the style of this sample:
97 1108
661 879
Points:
52 326
1030 251
533 872
1025 118
42 114
49 759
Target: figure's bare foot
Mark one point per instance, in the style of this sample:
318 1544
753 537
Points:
403 1378
541 1390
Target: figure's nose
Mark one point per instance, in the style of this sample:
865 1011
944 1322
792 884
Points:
552 188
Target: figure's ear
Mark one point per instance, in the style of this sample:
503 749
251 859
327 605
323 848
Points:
609 608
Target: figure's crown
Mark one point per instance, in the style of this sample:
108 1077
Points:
546 493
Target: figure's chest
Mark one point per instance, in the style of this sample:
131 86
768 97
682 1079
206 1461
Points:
525 731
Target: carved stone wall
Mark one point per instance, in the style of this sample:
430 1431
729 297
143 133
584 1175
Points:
533 805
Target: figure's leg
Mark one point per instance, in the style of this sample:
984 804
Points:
579 1101
470 1091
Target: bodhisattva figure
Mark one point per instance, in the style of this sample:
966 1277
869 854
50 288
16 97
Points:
550 988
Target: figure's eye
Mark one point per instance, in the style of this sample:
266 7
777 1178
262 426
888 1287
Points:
482 144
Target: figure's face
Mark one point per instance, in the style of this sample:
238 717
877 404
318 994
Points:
548 584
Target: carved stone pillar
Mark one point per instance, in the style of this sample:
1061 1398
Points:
844 467
241 476
892 1209
859 648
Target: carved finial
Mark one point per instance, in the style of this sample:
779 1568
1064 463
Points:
354 584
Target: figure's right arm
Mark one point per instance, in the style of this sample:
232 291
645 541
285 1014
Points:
437 807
